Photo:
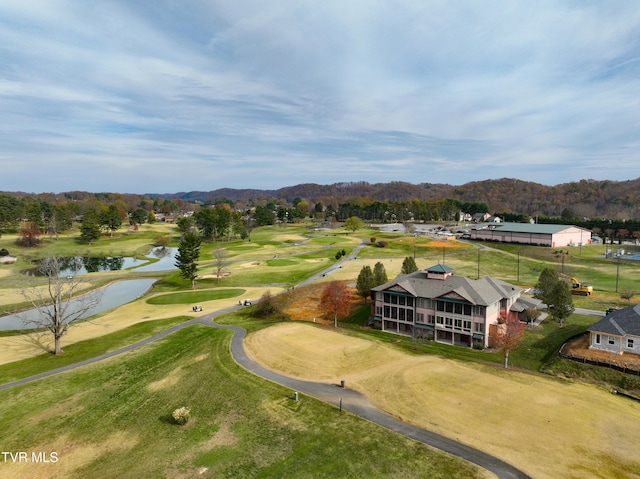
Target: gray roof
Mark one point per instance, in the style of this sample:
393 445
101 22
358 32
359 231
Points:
482 292
622 322
525 227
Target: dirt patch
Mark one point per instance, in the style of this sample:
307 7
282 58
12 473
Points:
303 304
579 348
170 380
69 457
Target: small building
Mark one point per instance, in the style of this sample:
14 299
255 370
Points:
555 236
435 304
618 332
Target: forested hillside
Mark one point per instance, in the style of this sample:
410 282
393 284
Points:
585 198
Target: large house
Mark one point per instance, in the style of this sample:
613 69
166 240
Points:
451 309
618 332
555 236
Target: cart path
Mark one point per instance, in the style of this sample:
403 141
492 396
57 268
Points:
349 399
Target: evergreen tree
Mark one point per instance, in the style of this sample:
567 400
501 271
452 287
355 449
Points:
544 287
379 274
561 302
409 265
90 228
364 283
187 257
111 218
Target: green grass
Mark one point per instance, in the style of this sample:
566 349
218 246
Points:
191 297
281 262
90 348
241 426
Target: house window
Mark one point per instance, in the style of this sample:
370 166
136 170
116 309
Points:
401 316
439 320
378 310
410 315
597 340
387 311
448 322
394 312
387 298
410 301
431 319
479 327
630 343
467 325
612 341
402 301
420 317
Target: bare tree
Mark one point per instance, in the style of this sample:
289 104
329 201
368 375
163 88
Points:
221 261
57 304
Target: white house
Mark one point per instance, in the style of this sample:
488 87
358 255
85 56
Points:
618 332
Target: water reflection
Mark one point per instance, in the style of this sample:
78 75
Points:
114 295
72 265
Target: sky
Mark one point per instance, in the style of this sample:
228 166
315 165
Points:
165 96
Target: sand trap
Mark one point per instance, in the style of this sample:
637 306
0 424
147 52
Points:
547 427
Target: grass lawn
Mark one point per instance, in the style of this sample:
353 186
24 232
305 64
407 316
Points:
547 427
113 419
193 297
90 348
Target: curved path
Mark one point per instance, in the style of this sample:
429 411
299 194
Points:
348 399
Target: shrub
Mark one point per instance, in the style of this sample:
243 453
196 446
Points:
373 239
267 307
181 415
4 252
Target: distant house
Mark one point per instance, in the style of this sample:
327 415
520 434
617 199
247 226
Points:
533 234
618 332
450 309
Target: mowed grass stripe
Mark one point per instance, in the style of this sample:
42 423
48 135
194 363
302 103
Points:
192 297
112 419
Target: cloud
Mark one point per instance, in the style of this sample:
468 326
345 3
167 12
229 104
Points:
167 96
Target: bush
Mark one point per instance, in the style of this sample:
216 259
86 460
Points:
267 306
4 252
181 415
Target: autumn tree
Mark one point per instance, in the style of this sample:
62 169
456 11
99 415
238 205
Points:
409 265
335 299
509 333
379 274
365 281
29 234
187 257
56 305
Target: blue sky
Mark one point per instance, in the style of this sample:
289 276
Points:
160 96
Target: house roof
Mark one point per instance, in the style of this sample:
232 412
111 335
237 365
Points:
439 268
482 292
622 322
526 227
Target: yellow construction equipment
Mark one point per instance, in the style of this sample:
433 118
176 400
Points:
577 287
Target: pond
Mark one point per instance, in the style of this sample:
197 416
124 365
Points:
73 265
114 295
